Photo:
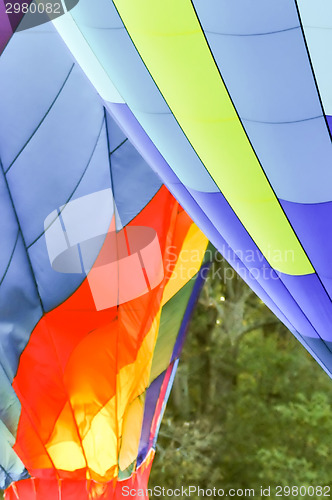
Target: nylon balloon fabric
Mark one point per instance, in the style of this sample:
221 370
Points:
96 288
231 104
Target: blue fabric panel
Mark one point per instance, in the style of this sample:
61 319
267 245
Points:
296 158
313 225
134 182
10 405
18 103
8 228
268 77
271 84
168 391
20 310
123 62
184 161
151 399
68 137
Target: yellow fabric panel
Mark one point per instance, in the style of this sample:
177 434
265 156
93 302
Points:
64 445
131 432
108 435
188 263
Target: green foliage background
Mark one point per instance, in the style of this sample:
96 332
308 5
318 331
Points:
249 406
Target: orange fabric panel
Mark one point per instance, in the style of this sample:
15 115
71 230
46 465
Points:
71 363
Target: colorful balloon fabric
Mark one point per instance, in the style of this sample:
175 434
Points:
96 288
231 103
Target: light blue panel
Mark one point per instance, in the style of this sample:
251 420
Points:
10 408
20 310
245 17
320 43
11 467
272 86
317 24
24 98
103 29
129 74
296 157
269 77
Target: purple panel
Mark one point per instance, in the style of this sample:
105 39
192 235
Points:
313 225
5 27
313 299
329 122
15 18
151 399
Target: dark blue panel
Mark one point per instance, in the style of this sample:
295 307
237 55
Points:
151 399
134 182
115 135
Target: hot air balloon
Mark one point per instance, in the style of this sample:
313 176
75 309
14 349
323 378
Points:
231 103
96 287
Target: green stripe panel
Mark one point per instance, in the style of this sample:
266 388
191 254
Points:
169 38
170 323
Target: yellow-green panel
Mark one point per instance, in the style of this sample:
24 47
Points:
169 39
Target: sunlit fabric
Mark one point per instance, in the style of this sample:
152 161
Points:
96 288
